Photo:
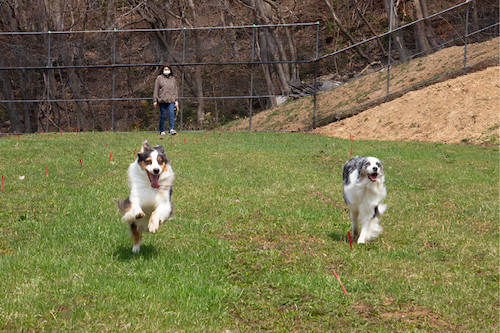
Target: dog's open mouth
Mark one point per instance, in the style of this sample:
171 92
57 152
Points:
154 180
373 177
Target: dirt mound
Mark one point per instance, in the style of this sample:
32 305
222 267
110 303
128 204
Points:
461 110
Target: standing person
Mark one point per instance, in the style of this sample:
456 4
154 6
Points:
165 95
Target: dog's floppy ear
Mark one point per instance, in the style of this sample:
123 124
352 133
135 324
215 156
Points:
145 146
159 148
361 165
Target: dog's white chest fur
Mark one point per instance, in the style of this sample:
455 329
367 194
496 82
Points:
364 192
147 197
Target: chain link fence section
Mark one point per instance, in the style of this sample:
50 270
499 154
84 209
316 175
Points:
103 80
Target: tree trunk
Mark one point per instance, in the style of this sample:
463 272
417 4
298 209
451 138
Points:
420 34
8 94
227 18
110 13
263 55
397 36
24 80
200 113
474 19
428 27
346 33
75 87
271 45
27 107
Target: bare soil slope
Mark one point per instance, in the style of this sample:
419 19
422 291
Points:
461 110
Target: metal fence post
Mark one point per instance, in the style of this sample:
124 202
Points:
48 82
182 79
315 74
251 81
465 39
113 93
389 53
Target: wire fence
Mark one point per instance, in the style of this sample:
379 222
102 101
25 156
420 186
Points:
62 90
445 71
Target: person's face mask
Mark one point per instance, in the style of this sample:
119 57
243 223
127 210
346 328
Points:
166 72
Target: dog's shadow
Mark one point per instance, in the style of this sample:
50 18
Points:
338 237
124 253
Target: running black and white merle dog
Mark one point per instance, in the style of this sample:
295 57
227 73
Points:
364 190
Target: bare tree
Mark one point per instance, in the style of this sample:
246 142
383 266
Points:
154 14
428 28
423 30
198 82
272 48
474 18
289 41
397 36
420 36
60 16
367 23
15 15
346 32
227 20
8 94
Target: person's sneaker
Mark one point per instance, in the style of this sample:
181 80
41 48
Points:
163 133
173 132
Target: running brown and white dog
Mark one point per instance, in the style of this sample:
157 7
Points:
149 203
364 190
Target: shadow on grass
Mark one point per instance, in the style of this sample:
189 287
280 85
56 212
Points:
124 253
338 237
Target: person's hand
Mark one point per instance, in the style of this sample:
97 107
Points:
155 104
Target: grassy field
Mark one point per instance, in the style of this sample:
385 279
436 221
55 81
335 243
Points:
259 228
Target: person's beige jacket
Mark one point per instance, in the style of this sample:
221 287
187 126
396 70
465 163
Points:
165 90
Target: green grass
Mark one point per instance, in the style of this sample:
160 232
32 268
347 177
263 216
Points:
259 228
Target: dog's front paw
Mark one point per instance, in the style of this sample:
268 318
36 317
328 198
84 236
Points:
154 223
134 214
153 227
136 248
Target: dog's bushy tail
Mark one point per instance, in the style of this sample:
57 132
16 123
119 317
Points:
123 205
374 229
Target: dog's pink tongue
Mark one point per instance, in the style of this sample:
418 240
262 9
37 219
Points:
373 178
154 180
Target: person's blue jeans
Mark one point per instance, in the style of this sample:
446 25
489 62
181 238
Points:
163 116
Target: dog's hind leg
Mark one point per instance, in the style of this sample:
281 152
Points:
354 219
364 235
136 235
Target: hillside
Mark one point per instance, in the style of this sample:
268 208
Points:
452 108
460 110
